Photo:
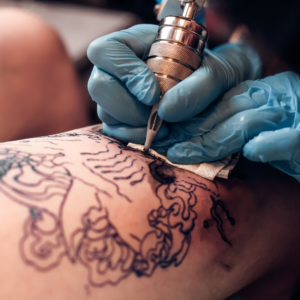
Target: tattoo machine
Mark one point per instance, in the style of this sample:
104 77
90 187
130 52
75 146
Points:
175 55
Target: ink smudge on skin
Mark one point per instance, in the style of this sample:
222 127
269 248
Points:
161 172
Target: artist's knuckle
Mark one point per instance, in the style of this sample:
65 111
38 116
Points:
98 49
92 87
294 138
97 82
247 119
93 51
244 125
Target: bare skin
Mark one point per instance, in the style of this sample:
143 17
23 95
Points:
85 217
39 89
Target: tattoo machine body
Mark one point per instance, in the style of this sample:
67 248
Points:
175 55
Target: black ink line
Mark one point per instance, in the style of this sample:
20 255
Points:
138 181
218 219
135 237
200 184
129 176
118 171
106 179
97 153
105 159
94 186
112 166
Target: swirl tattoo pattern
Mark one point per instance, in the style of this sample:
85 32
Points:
47 186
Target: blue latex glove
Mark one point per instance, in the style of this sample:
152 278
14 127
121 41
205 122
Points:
259 117
122 84
124 87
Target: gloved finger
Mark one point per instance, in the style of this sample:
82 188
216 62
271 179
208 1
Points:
116 100
216 76
192 95
243 61
230 136
121 54
280 148
106 118
247 95
283 144
129 134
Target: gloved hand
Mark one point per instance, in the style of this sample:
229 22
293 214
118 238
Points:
259 117
125 88
122 84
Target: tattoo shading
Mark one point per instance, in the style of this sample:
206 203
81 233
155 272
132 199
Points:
94 239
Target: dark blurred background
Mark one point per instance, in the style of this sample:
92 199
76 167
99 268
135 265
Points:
79 22
144 9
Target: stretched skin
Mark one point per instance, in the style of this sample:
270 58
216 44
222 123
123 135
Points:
85 217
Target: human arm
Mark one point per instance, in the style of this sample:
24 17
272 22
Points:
86 217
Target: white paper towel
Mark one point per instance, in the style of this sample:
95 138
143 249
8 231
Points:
209 170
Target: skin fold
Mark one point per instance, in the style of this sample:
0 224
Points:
85 217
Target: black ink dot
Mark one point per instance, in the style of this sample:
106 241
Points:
205 224
139 273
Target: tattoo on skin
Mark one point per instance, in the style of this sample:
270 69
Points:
98 242
218 219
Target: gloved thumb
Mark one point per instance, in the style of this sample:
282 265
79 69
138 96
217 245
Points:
270 146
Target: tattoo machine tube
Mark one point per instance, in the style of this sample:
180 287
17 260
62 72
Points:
175 55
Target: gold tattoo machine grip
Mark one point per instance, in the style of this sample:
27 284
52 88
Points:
175 55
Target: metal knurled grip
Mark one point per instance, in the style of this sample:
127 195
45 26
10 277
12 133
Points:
175 55
177 51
